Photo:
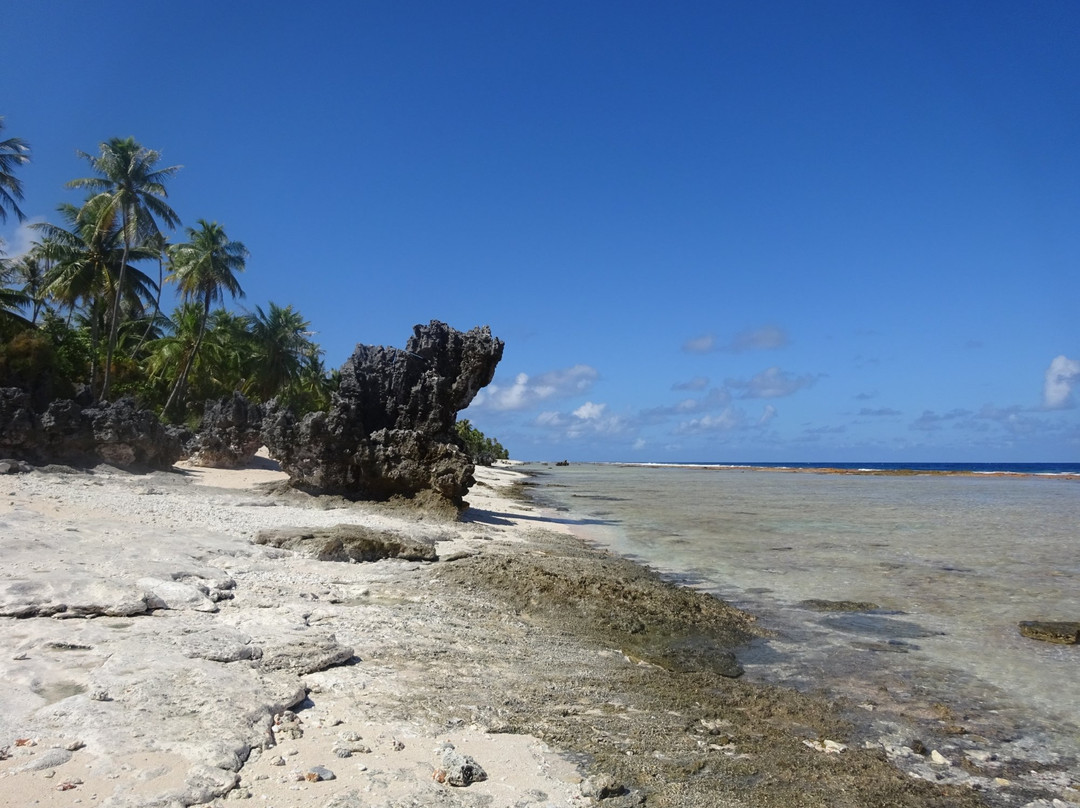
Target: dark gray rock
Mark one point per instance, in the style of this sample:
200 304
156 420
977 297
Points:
229 435
348 543
390 429
117 433
17 422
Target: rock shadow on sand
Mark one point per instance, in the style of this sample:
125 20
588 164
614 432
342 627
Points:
505 519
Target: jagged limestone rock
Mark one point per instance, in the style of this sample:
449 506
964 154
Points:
229 434
390 429
117 433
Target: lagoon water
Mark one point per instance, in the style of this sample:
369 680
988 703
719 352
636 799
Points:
953 563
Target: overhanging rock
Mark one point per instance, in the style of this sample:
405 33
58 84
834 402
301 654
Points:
389 431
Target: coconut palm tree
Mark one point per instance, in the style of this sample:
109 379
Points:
160 244
280 347
13 152
128 176
28 273
86 265
203 268
11 301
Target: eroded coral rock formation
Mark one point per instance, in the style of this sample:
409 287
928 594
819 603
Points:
229 434
390 429
117 433
348 543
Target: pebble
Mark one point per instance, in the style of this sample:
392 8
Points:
318 773
939 759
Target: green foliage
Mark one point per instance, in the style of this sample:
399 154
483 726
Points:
76 309
482 450
13 152
31 362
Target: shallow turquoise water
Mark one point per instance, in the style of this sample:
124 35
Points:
954 563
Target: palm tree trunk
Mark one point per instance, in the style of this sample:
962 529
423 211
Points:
157 304
114 318
181 380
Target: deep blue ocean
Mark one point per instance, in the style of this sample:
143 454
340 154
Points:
974 468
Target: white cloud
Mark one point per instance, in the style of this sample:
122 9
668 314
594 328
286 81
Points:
725 421
589 419
1062 375
23 239
529 391
589 411
771 383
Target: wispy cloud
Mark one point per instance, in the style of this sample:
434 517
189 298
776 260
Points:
715 399
765 338
729 419
771 383
696 384
931 421
706 343
767 415
882 412
527 391
1061 377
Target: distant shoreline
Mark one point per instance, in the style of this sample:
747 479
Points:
1066 471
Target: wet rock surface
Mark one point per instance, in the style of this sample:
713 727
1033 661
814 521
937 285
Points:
348 543
614 599
390 429
589 672
819 605
1060 632
117 433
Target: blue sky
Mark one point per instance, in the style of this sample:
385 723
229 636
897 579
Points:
705 231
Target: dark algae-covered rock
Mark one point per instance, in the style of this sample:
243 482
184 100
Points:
599 671
1061 632
348 543
624 604
389 431
818 605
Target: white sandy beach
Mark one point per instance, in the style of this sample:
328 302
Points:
136 707
153 655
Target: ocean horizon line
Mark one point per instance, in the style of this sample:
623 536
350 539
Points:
1039 468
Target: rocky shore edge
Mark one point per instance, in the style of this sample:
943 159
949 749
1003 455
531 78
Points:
521 668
